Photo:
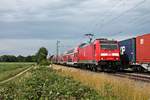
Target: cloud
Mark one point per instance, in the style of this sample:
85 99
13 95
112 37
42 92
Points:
69 20
31 46
31 10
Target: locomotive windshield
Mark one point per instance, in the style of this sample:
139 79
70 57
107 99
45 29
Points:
109 46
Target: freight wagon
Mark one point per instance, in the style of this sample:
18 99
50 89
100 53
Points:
135 53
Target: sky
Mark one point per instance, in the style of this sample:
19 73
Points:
27 25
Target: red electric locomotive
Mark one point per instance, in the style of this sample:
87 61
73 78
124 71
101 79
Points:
100 54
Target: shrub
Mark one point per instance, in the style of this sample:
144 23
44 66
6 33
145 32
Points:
46 84
41 56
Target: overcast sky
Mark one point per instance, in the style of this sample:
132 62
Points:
26 25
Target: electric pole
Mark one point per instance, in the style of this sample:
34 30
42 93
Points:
57 50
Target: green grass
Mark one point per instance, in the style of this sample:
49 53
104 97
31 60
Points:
108 85
11 69
43 83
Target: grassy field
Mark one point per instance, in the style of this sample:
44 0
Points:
63 83
11 69
42 83
106 85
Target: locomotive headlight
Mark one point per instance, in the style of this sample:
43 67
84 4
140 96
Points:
104 54
102 58
115 54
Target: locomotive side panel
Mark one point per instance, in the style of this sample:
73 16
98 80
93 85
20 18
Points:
86 54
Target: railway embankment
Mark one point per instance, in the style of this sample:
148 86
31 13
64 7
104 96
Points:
122 87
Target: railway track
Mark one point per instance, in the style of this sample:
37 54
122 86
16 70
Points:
143 77
134 76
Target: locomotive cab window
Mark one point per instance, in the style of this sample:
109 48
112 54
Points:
109 46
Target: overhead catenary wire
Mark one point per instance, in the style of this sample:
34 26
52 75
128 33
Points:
109 22
107 12
139 21
123 13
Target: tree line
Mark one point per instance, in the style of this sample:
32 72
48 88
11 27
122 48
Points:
40 57
20 58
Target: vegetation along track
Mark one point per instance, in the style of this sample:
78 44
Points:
19 74
108 83
130 75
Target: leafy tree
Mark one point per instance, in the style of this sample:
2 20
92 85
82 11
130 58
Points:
30 58
42 56
33 58
21 58
12 58
8 58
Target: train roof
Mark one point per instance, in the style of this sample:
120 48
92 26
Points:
82 45
102 40
70 51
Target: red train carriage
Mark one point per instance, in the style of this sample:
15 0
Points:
64 57
56 59
53 58
101 53
71 57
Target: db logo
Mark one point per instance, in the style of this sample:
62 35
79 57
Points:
122 50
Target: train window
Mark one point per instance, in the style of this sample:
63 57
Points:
109 46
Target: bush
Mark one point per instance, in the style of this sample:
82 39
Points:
42 56
44 62
46 84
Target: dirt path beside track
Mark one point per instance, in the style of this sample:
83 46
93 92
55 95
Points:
19 74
